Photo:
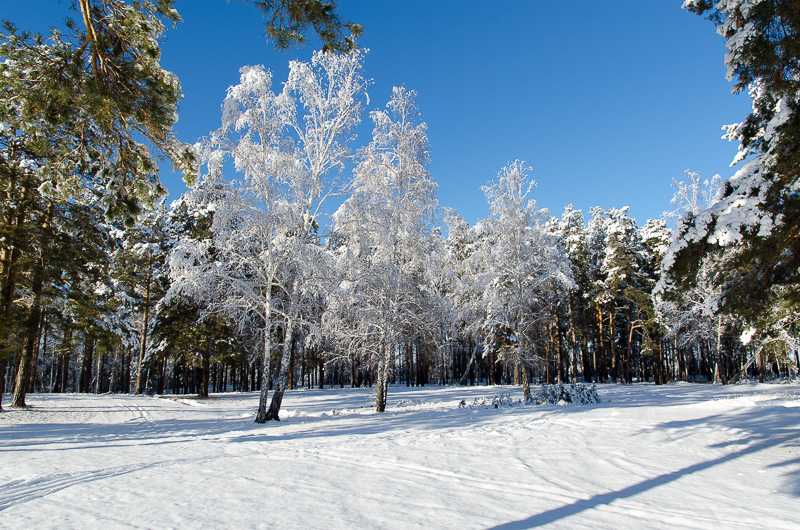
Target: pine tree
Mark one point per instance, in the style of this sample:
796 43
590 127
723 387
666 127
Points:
289 21
141 270
753 232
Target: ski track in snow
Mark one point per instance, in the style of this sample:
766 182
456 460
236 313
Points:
21 491
689 456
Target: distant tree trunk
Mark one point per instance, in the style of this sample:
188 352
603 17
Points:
408 363
587 358
628 355
86 364
205 372
612 332
98 388
126 371
3 366
760 364
67 345
162 376
41 343
600 372
559 350
719 376
658 365
143 336
573 327
115 372
522 366
59 370
293 363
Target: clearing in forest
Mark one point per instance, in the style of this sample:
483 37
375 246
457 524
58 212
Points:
679 455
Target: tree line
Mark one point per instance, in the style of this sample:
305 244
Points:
298 259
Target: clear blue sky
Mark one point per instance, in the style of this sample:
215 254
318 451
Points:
608 101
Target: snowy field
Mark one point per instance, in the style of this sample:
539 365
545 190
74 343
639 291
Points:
687 456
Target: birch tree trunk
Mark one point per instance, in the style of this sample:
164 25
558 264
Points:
523 368
463 380
261 414
381 390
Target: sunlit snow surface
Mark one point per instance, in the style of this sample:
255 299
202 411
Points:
678 456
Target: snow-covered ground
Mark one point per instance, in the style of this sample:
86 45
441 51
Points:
688 456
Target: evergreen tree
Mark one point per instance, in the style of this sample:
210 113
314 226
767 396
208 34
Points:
289 21
571 231
753 232
141 270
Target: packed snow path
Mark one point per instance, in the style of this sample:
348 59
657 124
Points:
688 456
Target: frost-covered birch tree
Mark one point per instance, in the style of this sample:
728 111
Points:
523 264
384 229
234 270
322 103
289 149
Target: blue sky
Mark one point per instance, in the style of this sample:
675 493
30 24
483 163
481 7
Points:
607 101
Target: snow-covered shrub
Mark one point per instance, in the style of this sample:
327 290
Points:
561 393
565 393
412 403
503 399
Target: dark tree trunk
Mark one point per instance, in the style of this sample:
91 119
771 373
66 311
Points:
599 352
33 321
59 370
86 364
202 391
573 326
67 357
292 363
760 365
143 336
3 366
41 343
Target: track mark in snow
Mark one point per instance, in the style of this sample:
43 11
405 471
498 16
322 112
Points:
138 412
483 483
22 491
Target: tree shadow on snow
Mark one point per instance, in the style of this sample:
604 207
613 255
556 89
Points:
759 429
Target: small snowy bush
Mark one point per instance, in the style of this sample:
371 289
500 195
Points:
504 400
412 403
499 400
546 395
565 393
